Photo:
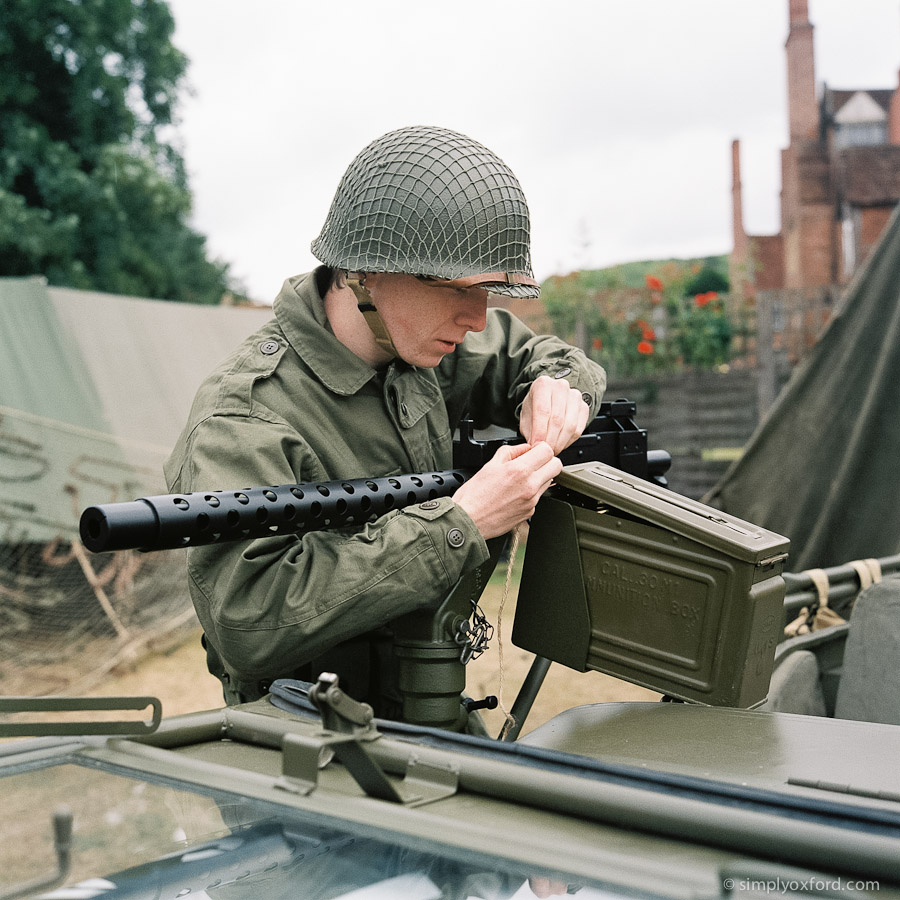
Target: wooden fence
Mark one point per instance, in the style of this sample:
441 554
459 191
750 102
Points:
702 418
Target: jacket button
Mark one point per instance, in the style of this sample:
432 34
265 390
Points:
429 504
587 398
455 538
269 347
562 373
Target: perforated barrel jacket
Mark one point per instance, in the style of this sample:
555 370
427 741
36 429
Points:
291 405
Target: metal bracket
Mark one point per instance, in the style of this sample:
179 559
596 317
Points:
348 728
56 728
426 781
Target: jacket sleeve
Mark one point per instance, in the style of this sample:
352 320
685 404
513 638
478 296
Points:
489 375
271 605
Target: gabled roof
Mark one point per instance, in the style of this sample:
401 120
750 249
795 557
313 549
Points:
835 100
861 107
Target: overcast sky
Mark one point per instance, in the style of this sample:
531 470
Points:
617 116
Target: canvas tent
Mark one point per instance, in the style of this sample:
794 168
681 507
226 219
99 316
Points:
823 468
94 390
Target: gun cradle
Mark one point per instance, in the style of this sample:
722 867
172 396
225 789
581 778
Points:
627 578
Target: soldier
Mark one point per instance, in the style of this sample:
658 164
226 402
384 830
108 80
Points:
370 362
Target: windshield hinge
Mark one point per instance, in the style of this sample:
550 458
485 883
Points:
348 728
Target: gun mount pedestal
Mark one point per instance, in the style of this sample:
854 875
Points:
434 646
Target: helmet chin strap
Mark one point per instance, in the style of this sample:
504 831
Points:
357 283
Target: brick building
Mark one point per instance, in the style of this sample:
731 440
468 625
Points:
840 179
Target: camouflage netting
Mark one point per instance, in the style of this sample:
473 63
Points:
429 201
68 616
66 620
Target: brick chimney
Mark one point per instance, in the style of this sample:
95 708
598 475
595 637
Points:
737 205
738 261
894 116
803 112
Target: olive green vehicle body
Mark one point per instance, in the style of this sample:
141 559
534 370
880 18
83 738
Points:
643 799
304 794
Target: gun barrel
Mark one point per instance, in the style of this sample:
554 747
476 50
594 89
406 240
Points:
170 521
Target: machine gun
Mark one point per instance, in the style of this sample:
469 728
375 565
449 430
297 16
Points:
625 578
171 521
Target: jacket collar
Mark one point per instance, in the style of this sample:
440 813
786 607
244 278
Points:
300 312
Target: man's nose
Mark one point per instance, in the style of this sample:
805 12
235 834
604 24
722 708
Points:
472 314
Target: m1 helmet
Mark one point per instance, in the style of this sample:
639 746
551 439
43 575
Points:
431 202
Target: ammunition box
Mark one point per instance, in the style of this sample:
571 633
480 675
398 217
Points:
627 578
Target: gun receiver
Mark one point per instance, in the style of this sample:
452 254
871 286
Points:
611 438
170 521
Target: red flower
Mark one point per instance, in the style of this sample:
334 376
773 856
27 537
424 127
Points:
653 283
648 334
598 343
702 299
645 347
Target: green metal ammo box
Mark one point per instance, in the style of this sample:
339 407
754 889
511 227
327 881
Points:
625 577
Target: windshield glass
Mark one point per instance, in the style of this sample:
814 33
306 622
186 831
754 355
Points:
152 839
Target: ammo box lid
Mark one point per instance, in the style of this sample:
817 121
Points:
689 518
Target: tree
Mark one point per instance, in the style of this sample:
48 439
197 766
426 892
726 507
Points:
708 278
93 194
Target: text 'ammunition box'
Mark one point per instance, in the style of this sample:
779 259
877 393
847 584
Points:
625 577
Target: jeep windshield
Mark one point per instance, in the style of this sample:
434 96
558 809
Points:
136 837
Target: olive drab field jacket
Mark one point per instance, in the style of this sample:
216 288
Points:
291 405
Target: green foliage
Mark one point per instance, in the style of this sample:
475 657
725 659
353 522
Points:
703 335
646 317
571 298
634 274
92 194
707 279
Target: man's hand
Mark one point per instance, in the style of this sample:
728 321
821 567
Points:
553 412
505 491
546 887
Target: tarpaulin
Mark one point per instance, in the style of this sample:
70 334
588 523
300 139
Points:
94 390
823 467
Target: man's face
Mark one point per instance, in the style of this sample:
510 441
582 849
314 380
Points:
426 320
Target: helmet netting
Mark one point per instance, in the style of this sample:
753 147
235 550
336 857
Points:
429 201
